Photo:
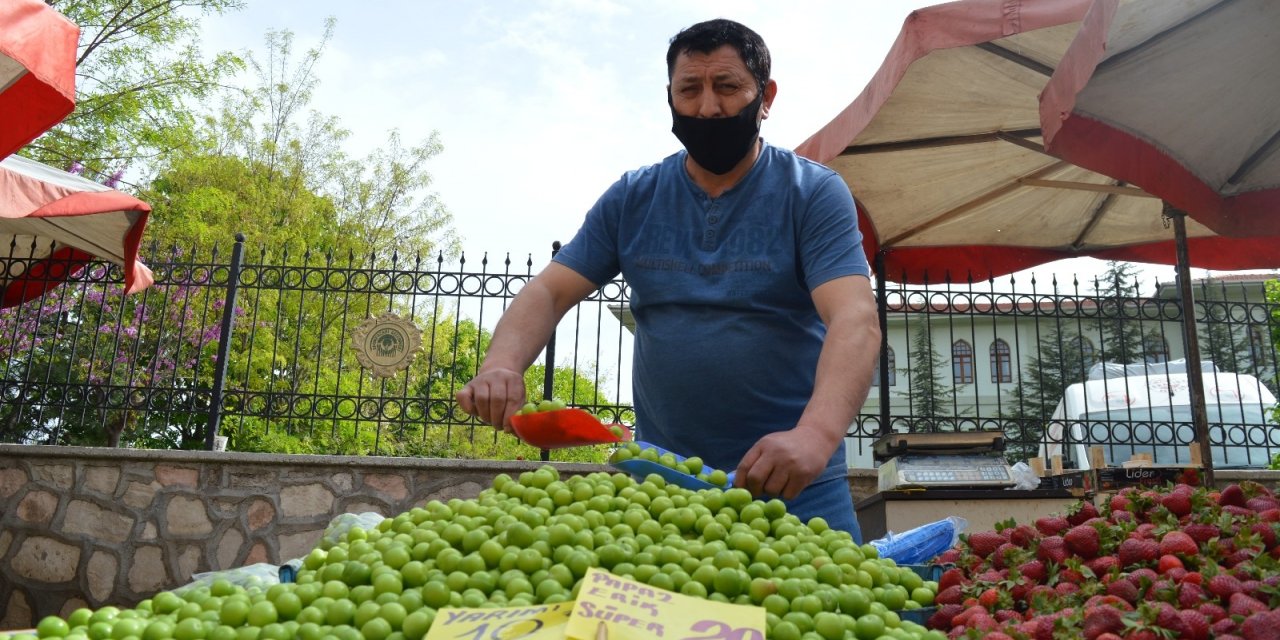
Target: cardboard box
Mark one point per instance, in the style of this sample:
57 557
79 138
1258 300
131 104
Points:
1115 478
1078 483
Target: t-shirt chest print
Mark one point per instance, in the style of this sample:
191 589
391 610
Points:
748 248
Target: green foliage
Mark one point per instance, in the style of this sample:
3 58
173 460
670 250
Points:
139 74
1119 306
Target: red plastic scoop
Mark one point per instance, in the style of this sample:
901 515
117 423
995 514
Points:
561 428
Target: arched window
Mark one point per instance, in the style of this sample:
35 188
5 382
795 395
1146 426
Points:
1156 349
1001 363
893 371
962 362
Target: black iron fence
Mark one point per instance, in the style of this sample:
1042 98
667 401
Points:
258 348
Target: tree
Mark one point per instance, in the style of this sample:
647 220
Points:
139 73
1060 360
927 391
1117 290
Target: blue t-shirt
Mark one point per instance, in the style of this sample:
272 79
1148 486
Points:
727 337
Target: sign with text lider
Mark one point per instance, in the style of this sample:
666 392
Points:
634 610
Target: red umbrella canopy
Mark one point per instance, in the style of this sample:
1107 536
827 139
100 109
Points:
943 152
1181 99
37 71
53 222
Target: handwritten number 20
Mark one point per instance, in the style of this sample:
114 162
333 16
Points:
721 631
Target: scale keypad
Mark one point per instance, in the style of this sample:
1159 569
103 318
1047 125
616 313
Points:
981 474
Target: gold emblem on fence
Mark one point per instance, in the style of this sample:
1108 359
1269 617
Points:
386 344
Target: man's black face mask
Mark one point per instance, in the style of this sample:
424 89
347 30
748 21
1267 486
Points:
718 144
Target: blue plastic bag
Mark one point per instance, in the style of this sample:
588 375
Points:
923 543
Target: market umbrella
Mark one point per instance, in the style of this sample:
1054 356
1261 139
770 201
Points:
37 71
52 223
1180 99
944 153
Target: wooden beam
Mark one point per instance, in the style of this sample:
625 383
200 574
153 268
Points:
1086 186
940 141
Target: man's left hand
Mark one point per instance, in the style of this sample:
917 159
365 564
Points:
784 463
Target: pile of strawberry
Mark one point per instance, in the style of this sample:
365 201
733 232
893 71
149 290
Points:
1181 562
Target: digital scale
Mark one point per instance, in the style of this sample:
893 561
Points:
952 460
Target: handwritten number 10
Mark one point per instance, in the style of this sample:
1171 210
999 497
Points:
721 631
506 631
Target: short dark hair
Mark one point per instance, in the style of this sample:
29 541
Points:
708 36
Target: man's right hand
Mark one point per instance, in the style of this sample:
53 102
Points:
494 396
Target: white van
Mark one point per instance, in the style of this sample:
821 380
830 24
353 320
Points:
1131 409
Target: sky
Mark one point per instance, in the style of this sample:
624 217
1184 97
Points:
542 104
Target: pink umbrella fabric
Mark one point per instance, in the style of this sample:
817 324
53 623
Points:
1181 99
943 152
52 223
37 71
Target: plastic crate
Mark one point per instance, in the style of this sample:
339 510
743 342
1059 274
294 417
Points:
927 571
919 616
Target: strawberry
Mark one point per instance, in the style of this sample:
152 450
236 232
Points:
1102 565
1201 533
941 619
1120 502
1265 532
1052 525
1137 551
1169 563
1243 605
1145 530
950 556
1138 577
1168 618
1224 628
1177 542
1190 595
1262 503
1122 517
1212 611
1083 512
1001 557
990 599
950 595
1023 536
1237 510
1100 620
951 577
1270 515
1261 626
1178 503
1124 590
1082 540
1033 572
1052 550
1008 615
1195 623
1066 588
1232 495
984 543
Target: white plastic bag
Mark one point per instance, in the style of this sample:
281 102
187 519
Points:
1024 477
344 522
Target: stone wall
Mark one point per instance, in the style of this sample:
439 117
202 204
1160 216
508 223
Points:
89 527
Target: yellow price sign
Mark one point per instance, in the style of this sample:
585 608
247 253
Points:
634 610
536 622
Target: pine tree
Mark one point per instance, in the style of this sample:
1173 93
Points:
927 391
1117 290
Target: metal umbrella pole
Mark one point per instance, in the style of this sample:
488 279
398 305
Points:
1191 341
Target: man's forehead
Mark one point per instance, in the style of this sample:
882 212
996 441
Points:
721 62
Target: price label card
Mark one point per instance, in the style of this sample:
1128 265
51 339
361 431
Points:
634 610
536 622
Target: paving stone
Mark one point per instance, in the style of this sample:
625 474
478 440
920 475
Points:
463 490
257 554
102 479
42 559
147 575
148 531
392 486
88 519
171 476
229 549
61 476
252 480
343 482
72 604
307 500
37 507
102 570
11 480
6 539
186 516
260 514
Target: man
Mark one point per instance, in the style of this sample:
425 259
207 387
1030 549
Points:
756 332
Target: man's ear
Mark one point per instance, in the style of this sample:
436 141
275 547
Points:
770 92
